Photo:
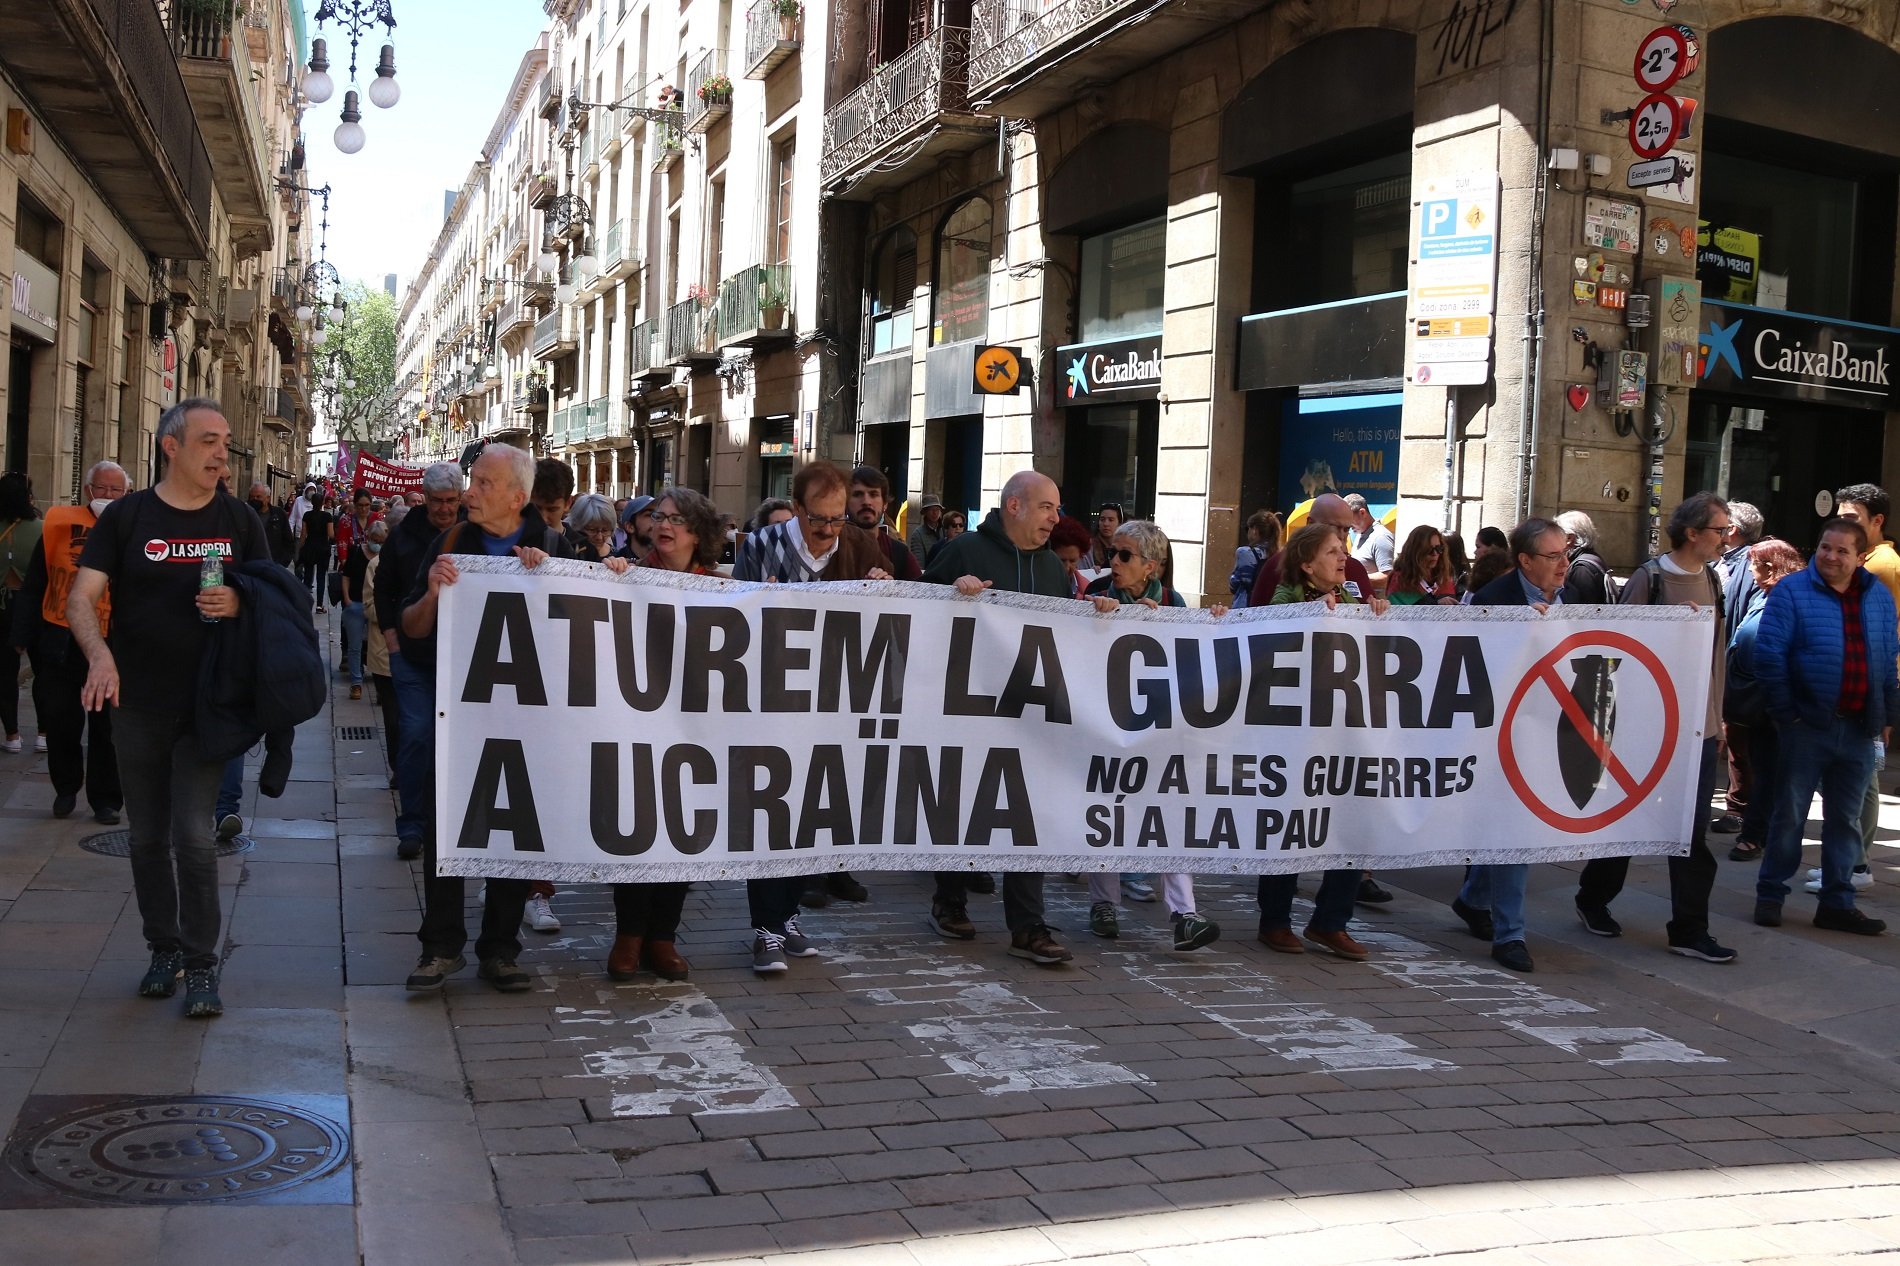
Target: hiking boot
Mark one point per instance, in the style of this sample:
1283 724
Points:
768 952
431 972
1102 921
161 978
1835 919
1038 945
505 975
951 921
1340 944
797 944
1281 940
1191 931
201 993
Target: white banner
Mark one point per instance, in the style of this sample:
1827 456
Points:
660 726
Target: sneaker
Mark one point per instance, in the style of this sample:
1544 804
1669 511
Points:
1705 948
1598 920
768 952
951 921
1191 931
1768 914
1727 824
11 744
1102 921
39 743
1862 878
1477 922
1836 919
201 994
107 816
1371 893
408 850
504 975
541 915
1038 945
228 827
1137 889
981 882
845 888
797 944
63 806
431 972
161 978
1338 943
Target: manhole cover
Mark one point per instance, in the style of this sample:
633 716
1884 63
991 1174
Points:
119 844
187 1149
354 733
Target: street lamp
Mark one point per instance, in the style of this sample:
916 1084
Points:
356 17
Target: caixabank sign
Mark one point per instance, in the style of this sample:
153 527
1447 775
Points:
1111 371
1793 356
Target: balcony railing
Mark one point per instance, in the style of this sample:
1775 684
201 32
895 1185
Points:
550 96
1007 33
665 143
771 35
554 333
646 353
590 154
706 100
280 410
690 329
201 35
754 305
901 97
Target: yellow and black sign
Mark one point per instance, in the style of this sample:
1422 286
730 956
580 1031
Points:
998 371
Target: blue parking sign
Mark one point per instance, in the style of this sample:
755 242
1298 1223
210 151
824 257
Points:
1438 218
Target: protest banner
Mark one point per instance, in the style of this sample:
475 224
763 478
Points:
383 478
663 726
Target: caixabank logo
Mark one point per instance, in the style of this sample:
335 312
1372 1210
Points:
1786 355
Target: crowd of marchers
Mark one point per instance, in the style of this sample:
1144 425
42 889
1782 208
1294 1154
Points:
109 601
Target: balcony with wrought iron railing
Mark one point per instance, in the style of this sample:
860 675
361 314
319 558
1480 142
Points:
617 258
590 154
280 410
708 92
554 334
550 104
755 306
916 102
1028 57
215 60
646 355
494 290
773 31
664 144
691 330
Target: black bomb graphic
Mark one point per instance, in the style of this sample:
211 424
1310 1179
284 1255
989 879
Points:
1594 691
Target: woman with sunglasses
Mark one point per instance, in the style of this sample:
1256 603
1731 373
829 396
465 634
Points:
1137 557
953 527
686 538
1422 571
1314 570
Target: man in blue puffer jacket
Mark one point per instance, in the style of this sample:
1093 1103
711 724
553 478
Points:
1825 660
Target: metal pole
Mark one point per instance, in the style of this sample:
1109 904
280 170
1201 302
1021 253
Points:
1451 455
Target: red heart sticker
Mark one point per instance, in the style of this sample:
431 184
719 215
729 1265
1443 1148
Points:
1579 395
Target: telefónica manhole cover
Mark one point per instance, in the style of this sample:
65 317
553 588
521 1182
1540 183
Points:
185 1149
119 844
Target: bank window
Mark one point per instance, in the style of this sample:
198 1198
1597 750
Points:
962 292
1776 237
1123 273
893 288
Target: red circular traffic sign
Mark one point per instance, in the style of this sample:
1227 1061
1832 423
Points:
1635 789
1654 125
1662 58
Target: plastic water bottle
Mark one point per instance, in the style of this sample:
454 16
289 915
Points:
210 576
1880 754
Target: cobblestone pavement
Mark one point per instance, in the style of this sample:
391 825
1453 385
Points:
902 1098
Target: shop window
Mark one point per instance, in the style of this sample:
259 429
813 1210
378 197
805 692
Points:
1341 234
962 291
1123 273
1777 237
893 288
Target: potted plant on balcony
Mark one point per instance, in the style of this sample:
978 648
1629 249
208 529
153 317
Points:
773 300
717 90
789 12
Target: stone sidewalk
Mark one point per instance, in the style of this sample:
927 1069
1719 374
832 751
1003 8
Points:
906 1099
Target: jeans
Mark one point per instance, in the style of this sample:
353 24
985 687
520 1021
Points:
1499 889
1869 817
1022 897
651 911
1764 758
170 791
1837 758
769 901
318 569
1177 891
355 628
415 748
1691 878
1331 908
230 788
94 764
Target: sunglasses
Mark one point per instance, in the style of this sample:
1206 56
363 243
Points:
1125 555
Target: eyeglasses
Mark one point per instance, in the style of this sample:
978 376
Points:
1556 556
671 520
1720 529
818 521
1125 556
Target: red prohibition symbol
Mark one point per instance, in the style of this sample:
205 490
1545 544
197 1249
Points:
1543 674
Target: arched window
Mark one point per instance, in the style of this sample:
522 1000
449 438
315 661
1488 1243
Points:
962 282
893 284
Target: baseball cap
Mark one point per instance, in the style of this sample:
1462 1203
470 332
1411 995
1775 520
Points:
636 506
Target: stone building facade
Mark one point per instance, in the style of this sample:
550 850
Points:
1214 232
146 235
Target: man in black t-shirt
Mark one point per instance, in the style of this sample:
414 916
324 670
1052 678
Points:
148 548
